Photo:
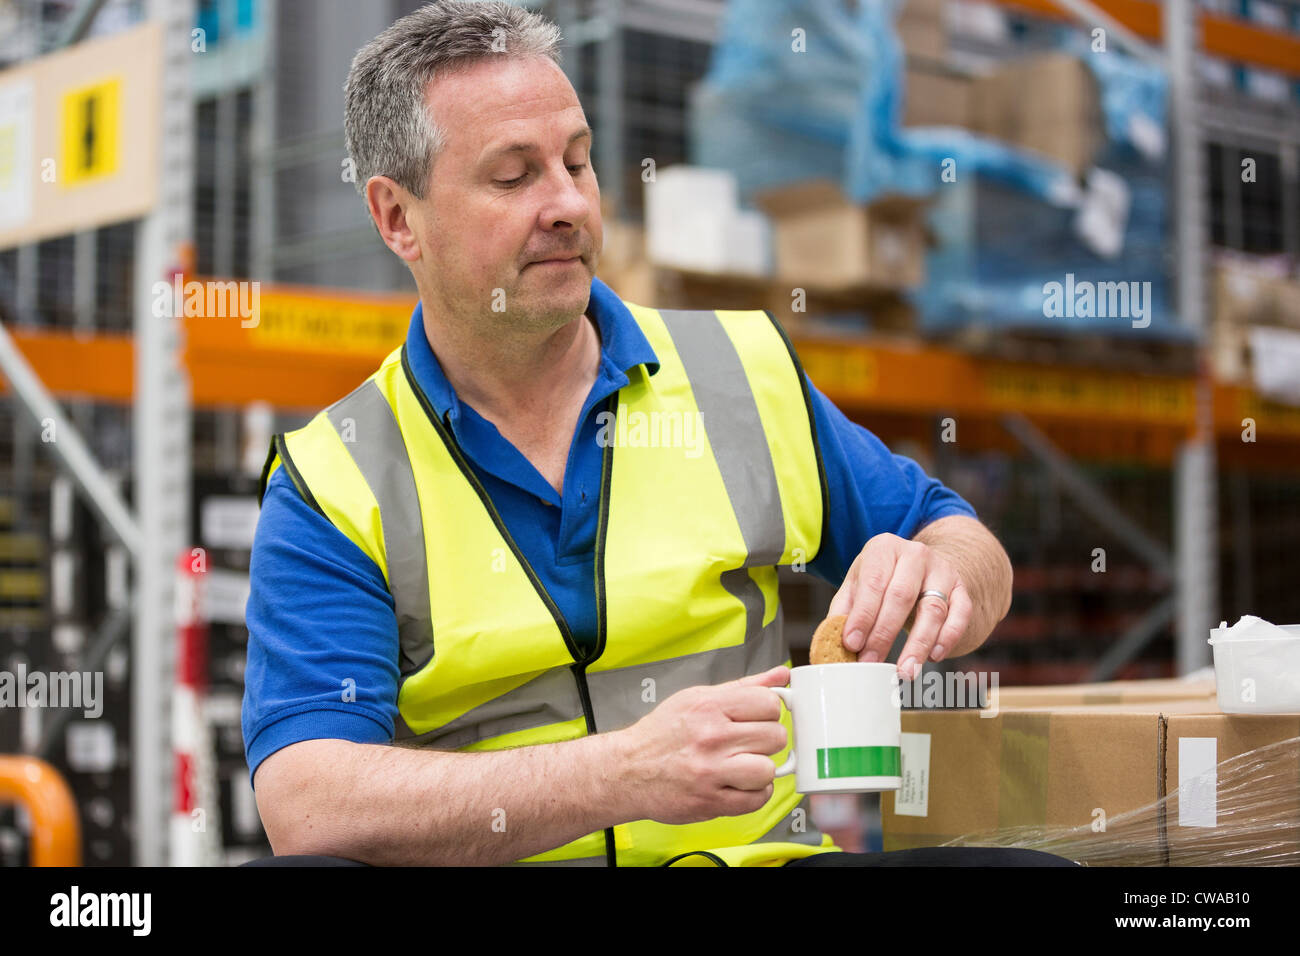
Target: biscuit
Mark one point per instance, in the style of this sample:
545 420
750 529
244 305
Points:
828 643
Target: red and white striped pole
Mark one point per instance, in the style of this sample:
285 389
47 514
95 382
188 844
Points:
195 830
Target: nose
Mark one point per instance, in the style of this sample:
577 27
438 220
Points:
566 205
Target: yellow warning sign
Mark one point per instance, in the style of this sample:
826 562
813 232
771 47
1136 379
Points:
91 117
846 371
325 323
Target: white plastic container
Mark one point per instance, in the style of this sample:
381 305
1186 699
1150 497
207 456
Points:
1257 669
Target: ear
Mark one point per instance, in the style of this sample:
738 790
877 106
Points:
390 206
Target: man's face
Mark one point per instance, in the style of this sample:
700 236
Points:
492 210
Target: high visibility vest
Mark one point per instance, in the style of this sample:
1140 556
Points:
711 477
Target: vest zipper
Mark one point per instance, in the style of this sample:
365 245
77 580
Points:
579 667
602 526
458 456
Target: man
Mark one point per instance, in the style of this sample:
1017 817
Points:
568 625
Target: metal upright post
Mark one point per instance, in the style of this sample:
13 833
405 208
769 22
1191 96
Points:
262 218
609 105
162 444
1196 549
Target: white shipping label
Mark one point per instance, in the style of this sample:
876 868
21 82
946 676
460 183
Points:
92 748
1198 781
228 521
913 797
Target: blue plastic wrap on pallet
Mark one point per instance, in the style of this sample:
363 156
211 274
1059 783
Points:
780 105
886 158
1134 93
999 250
766 111
811 75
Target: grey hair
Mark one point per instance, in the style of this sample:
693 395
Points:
389 129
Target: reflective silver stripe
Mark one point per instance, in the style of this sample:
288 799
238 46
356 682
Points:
376 446
734 427
745 589
617 696
546 699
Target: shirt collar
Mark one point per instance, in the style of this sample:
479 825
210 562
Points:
623 346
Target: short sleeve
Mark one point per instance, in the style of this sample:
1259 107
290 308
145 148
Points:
871 490
322 634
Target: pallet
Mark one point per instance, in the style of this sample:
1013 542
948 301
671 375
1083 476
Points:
1064 347
857 310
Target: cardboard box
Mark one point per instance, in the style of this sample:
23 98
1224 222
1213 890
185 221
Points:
1248 294
635 283
1246 808
937 98
1089 781
825 241
1108 692
964 774
1048 103
623 245
922 29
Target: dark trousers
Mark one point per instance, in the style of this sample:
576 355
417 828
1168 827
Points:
924 856
939 856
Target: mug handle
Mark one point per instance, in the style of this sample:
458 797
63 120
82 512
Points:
785 694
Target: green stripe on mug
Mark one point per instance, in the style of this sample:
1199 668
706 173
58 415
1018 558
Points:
858 762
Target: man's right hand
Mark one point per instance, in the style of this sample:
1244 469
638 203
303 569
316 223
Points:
705 752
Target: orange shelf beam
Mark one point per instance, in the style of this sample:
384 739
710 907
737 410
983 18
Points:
902 377
1237 40
98 367
230 367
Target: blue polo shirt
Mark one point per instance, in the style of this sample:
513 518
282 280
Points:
322 634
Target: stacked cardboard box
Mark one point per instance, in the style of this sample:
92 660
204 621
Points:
825 241
1049 104
933 96
1249 295
922 29
1130 783
623 264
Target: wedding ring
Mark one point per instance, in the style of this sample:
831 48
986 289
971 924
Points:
933 593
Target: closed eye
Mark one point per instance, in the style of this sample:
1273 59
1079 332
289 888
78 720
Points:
519 179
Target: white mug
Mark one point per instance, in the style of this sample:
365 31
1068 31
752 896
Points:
848 727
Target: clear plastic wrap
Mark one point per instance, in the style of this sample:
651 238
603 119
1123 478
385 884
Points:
1257 821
